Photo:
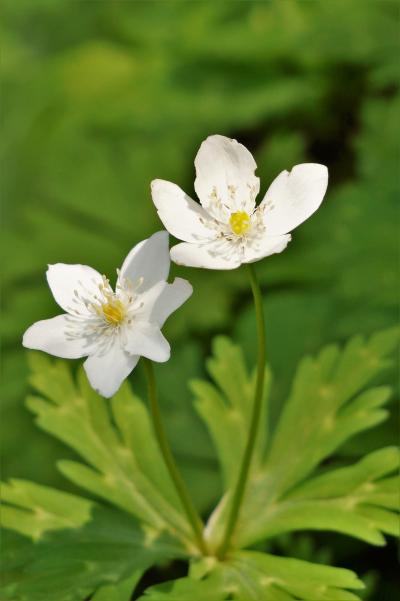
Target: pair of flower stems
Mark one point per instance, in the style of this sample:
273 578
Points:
238 494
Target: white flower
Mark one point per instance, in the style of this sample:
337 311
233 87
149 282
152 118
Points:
113 329
227 229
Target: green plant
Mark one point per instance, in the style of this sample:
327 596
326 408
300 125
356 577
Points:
104 82
81 546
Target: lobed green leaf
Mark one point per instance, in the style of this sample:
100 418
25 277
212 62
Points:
254 576
32 509
226 406
110 550
124 465
327 405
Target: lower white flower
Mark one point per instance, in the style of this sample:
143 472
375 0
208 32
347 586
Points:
112 328
227 229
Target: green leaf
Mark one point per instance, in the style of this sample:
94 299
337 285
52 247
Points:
77 171
363 480
124 465
193 452
253 576
327 405
184 589
69 565
226 406
32 510
118 592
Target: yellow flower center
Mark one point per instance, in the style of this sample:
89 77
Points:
113 312
239 222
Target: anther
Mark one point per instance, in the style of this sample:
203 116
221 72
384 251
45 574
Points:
239 222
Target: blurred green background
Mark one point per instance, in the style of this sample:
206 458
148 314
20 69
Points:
101 97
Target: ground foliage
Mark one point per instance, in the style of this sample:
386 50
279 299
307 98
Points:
81 547
100 98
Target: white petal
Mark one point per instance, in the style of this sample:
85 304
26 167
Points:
146 340
207 256
225 168
181 216
169 300
107 372
269 245
50 336
64 280
293 197
148 260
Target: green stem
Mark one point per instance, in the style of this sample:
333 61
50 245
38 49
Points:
255 418
183 494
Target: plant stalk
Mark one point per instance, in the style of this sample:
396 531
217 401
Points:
255 418
190 510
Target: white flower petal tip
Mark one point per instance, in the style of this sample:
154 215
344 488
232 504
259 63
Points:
269 246
148 341
112 328
51 336
225 180
293 197
148 260
66 282
227 229
107 372
173 296
193 222
205 256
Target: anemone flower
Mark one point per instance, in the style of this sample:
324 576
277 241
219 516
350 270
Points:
112 328
228 228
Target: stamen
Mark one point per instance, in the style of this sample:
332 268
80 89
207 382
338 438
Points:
113 311
239 222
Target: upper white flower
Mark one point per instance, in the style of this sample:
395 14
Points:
227 229
113 329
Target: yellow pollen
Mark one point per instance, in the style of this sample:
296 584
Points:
239 222
113 312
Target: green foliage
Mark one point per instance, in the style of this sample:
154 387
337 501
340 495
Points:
69 565
118 592
327 405
82 547
124 465
116 94
186 588
193 451
253 576
32 510
229 403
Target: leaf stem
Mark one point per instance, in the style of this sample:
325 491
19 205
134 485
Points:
255 418
192 515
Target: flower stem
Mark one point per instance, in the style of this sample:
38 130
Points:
180 486
255 418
